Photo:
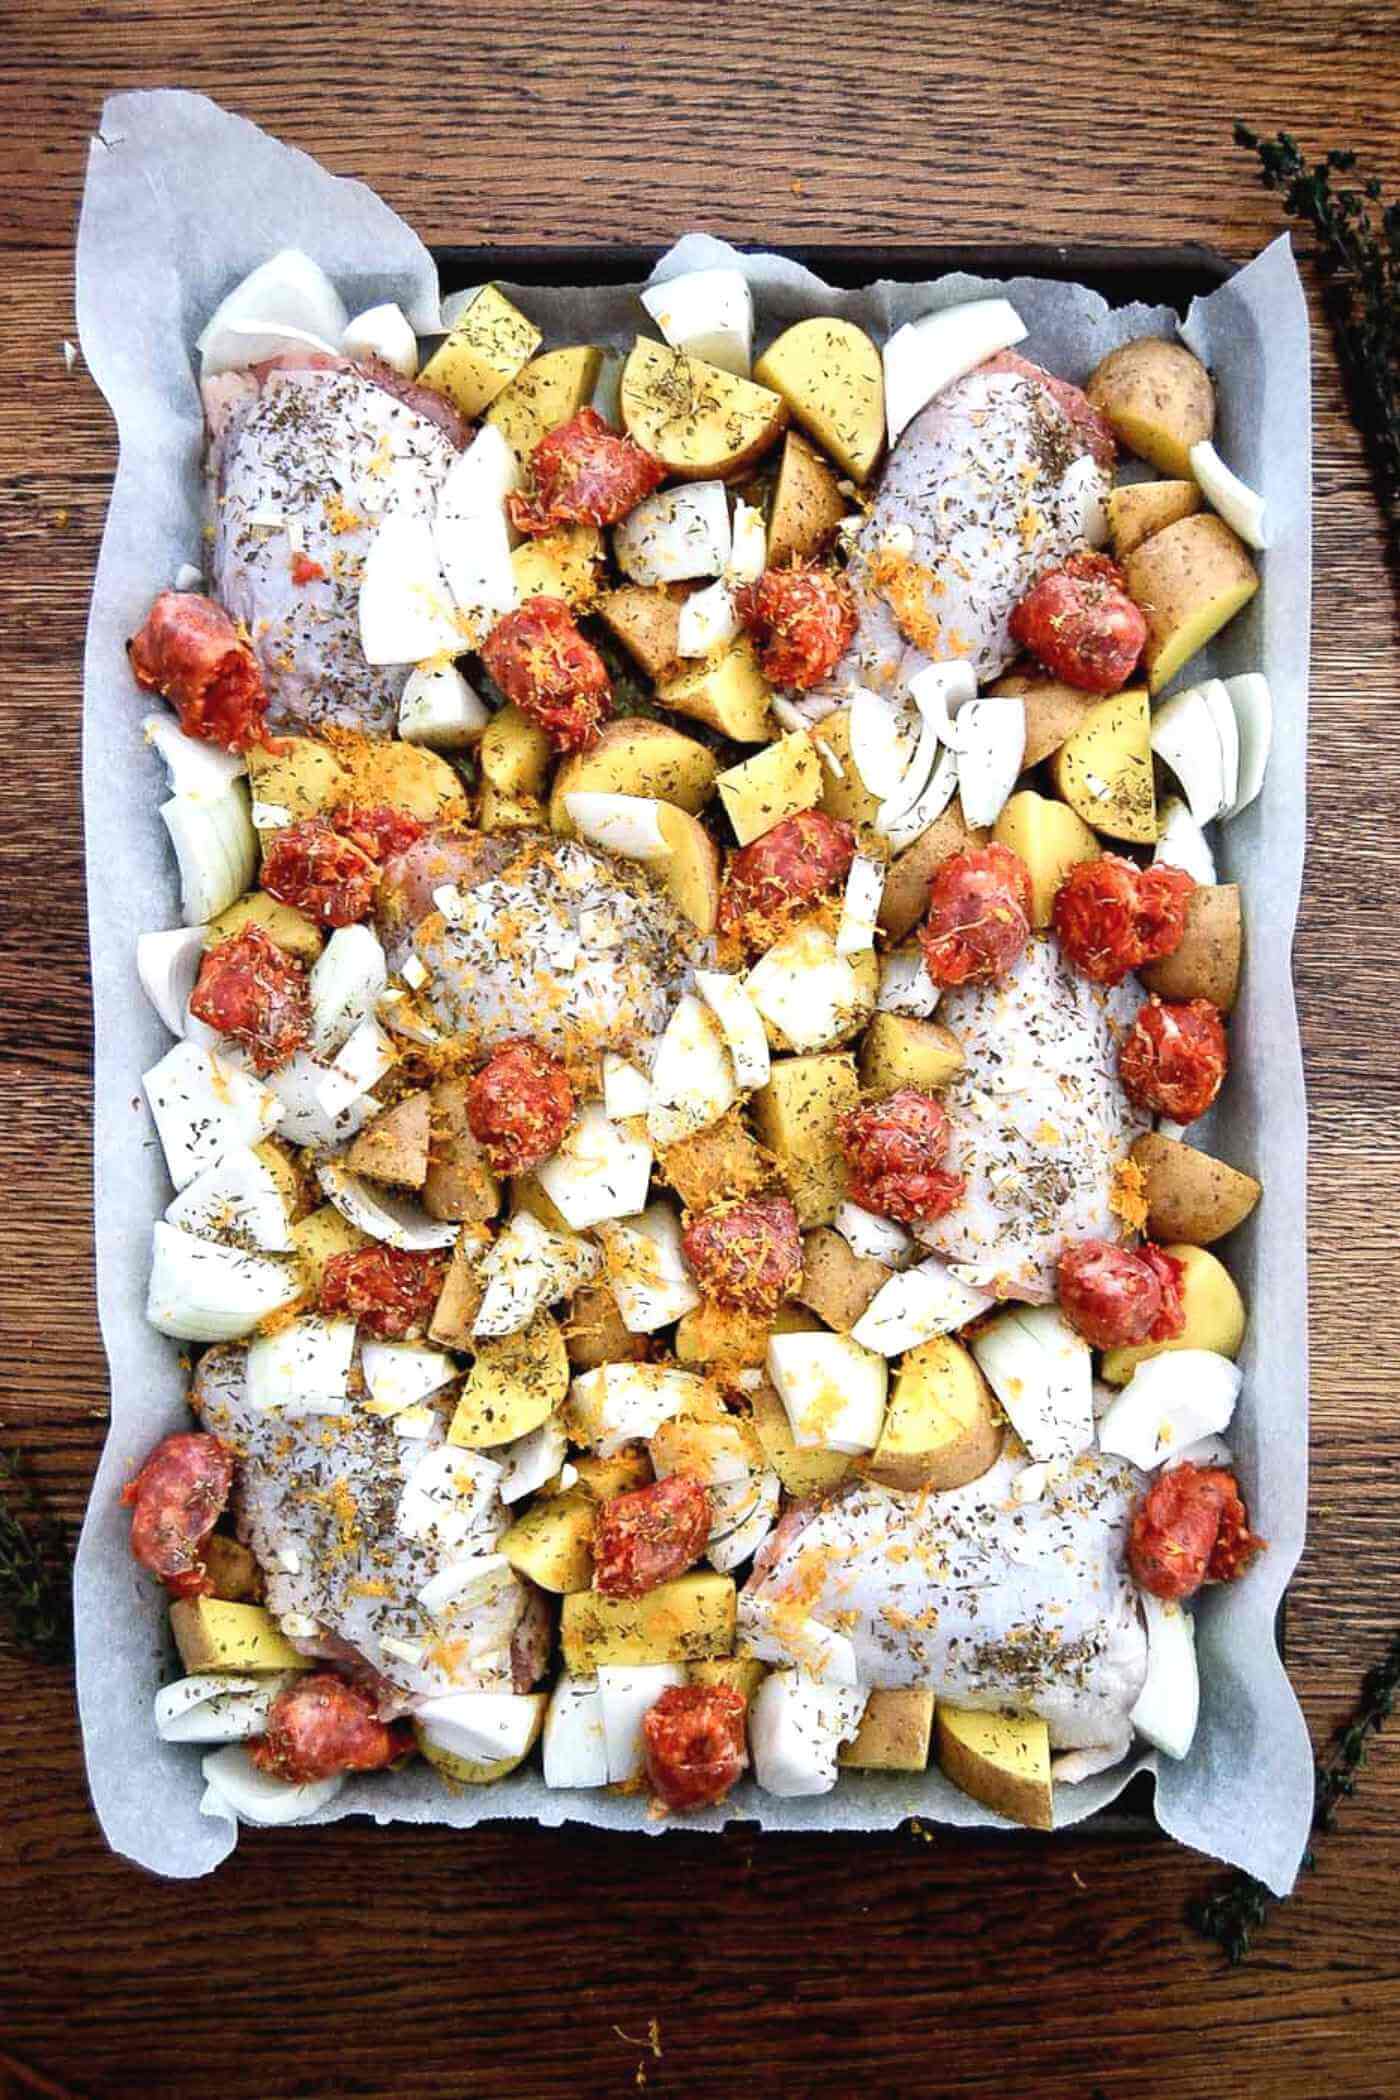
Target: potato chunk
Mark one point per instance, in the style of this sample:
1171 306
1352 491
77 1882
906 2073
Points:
777 782
726 689
1157 398
232 1569
297 777
319 1237
458 1183
1002 1760
394 1147
807 505
1104 770
1191 1196
1215 1316
563 564
213 1634
1206 964
459 1300
407 777
1140 508
798 1115
1050 839
700 422
552 1543
942 1427
515 1384
621 1472
490 343
736 1673
594 1333
514 752
802 1469
832 378
646 619
895 1732
837 1284
907 883
1190 580
717 1163
634 756
544 394
901 1051
1053 711
844 794
688 1620
285 926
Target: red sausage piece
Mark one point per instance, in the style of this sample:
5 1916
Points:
894 1151
539 660
1190 1527
650 1536
248 988
1081 624
694 1738
1111 916
584 474
746 1254
321 1726
518 1107
175 1500
801 621
979 916
1116 1297
803 858
190 652
388 1290
1174 1058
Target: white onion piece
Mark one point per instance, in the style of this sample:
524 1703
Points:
872 1237
237 1788
1083 482
289 294
832 1388
743 1514
1206 1451
646 1270
884 741
905 985
440 710
742 1024
471 535
531 1461
924 356
930 806
796 1727
400 1374
407 611
198 770
600 1170
676 535
628 1691
619 1403
1042 1373
937 690
238 1200
483 1727
1217 699
384 1216
748 553
202 1291
167 964
318 1107
708 620
915 1306
1169 1702
216 1708
1236 503
1183 844
991 746
708 314
1185 738
1253 705
302 1369
528 1268
692 1075
629 825
383 332
575 1748
626 1091
1171 1400
205 1108
860 906
345 983
216 849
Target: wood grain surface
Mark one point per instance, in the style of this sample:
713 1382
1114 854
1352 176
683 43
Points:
518 1964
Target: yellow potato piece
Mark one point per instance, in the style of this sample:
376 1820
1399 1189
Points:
459 1300
837 1284
498 810
232 1569
514 752
777 782
1053 711
543 394
299 776
942 1427
1158 399
213 1634
1050 839
899 1050
458 1183
698 421
1206 962
908 877
802 1469
844 794
1002 1760
285 926
563 564
690 873
635 756
646 619
515 1384
407 777
797 1116
726 689
1104 770
721 1334
832 378
1191 1196
1140 508
688 1620
552 1542
1189 580
606 1478
1215 1316
482 354
393 1147
718 1162
895 1732
807 505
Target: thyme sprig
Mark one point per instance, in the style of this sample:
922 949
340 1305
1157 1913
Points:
1234 1912
1358 253
35 1562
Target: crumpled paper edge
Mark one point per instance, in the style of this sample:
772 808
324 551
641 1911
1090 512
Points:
133 205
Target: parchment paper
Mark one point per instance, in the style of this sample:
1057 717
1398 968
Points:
183 199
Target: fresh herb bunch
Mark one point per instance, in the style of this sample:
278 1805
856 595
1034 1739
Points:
1358 239
1233 1914
35 1559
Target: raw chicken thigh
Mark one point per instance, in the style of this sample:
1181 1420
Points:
1040 1121
304 461
989 1602
1000 477
373 1543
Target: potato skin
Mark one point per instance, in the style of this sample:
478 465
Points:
837 1284
1206 965
1111 750
1050 838
942 1427
807 505
700 423
1189 581
845 795
634 756
1140 508
646 619
907 884
1053 711
895 1733
1002 1760
832 378
1190 1196
1158 400
1215 1315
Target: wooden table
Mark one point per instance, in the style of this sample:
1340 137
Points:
518 1962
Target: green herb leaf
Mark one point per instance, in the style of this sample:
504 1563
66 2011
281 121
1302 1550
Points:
35 1562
